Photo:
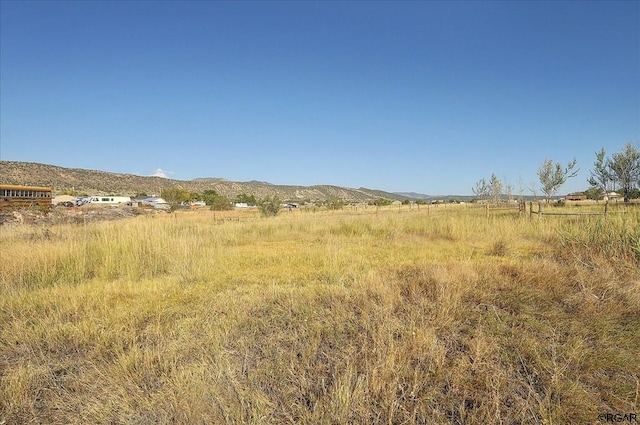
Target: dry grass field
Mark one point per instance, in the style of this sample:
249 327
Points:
389 316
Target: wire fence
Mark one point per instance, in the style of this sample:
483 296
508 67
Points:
605 211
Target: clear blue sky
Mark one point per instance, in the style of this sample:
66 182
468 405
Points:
399 96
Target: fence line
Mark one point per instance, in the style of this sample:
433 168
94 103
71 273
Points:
540 213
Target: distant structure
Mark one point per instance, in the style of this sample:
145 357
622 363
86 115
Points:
109 200
576 197
13 197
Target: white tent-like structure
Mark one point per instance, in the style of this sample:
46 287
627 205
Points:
63 198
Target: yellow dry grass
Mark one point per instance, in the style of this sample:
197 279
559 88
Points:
367 316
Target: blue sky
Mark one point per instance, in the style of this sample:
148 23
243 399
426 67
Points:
398 96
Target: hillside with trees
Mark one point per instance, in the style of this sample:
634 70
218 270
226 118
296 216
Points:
82 181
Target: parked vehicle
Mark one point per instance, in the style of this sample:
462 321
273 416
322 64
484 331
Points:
16 197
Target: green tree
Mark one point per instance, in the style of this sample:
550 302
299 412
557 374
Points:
269 206
625 169
601 175
594 192
380 202
216 201
244 198
552 176
175 195
335 204
209 196
221 203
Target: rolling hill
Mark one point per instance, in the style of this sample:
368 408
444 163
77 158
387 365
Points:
103 182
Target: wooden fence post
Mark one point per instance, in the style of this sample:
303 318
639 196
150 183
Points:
539 210
487 210
530 209
606 208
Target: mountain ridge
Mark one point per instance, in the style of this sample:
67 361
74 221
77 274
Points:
104 182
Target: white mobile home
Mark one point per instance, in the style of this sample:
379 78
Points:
110 200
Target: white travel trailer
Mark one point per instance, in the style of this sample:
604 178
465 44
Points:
109 200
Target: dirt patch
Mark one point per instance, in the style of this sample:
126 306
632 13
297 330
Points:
76 215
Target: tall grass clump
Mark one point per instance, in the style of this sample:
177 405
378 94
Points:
71 255
613 239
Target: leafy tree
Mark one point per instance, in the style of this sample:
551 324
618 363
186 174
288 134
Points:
495 188
406 202
601 175
625 169
481 189
221 203
553 176
209 196
594 192
216 201
380 202
269 206
244 198
335 204
175 195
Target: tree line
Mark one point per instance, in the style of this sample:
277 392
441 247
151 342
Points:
176 196
619 172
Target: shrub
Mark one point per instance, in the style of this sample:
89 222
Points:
335 204
380 202
269 206
221 203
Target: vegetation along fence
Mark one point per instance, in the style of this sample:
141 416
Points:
540 212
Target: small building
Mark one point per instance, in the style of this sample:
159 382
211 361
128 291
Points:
576 197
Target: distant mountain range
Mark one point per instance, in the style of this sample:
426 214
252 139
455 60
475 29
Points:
414 195
103 182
